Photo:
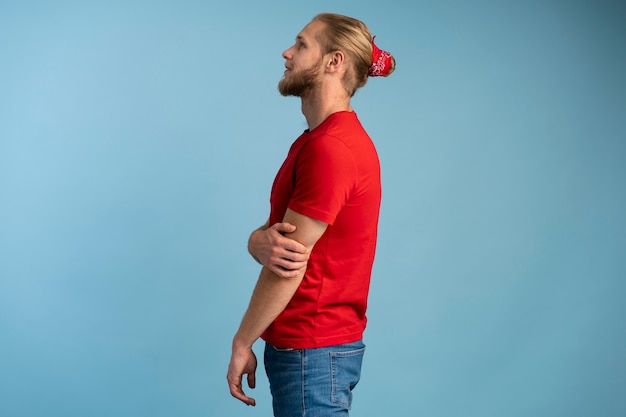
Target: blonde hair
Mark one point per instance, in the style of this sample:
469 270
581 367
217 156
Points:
353 37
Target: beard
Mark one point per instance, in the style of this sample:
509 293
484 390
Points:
300 83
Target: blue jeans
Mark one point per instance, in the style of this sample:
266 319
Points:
313 382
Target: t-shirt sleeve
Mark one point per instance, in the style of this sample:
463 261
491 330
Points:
325 175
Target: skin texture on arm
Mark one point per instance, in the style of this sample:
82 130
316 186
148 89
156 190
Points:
269 298
270 247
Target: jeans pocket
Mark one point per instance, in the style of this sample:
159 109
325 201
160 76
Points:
277 349
345 373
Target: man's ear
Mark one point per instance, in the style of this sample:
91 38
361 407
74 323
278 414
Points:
335 61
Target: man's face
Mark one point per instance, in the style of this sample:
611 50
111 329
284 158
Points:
303 62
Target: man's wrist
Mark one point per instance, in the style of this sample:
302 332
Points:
240 343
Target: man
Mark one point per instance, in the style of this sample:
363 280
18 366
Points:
317 247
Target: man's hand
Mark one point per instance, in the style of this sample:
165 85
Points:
285 257
242 361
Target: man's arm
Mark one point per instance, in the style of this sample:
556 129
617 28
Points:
270 247
269 298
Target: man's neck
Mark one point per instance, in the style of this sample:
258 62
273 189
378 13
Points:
317 106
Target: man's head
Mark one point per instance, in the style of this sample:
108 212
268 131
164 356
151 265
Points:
303 63
336 37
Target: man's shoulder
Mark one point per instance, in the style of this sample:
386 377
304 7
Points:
341 127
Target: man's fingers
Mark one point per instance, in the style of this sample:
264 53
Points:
289 260
284 227
252 380
296 249
285 273
237 392
292 245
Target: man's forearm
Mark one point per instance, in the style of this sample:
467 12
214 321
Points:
269 298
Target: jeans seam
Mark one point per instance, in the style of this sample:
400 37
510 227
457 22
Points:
334 383
303 361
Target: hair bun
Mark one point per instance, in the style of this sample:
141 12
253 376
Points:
383 62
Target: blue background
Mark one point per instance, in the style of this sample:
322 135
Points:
138 143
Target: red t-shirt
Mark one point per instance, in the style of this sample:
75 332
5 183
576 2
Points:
331 174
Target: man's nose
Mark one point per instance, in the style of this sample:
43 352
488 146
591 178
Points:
287 53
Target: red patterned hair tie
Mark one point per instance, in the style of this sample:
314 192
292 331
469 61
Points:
381 62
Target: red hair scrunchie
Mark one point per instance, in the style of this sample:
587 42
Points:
381 61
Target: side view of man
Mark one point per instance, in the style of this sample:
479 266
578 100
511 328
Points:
317 247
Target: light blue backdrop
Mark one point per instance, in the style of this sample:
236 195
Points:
138 142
